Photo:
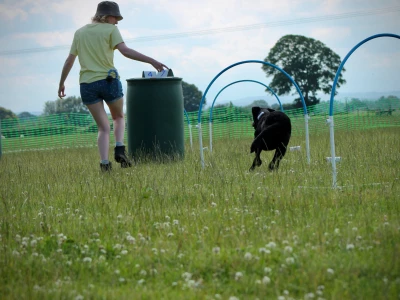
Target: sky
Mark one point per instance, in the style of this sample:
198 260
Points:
197 40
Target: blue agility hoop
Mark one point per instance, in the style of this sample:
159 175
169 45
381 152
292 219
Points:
330 120
245 62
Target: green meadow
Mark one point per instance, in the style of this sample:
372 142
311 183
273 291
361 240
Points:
175 230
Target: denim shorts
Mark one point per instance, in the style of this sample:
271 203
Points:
100 90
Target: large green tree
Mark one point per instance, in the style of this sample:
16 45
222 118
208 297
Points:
68 105
310 63
6 114
191 97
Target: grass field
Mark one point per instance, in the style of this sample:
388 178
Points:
176 231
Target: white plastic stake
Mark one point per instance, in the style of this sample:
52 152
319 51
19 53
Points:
190 136
201 145
306 118
333 154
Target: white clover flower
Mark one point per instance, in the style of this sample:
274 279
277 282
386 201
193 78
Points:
337 231
285 242
87 259
121 279
79 297
248 256
119 217
213 204
288 249
141 281
131 239
15 253
191 283
175 222
309 296
290 260
270 245
266 280
143 273
96 235
33 243
281 298
350 246
354 228
117 272
170 234
174 283
167 218
180 255
153 272
104 251
238 275
124 252
117 246
277 212
264 250
186 276
330 271
286 292
102 258
267 270
233 298
217 296
216 250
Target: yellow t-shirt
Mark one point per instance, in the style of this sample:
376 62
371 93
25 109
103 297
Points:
94 45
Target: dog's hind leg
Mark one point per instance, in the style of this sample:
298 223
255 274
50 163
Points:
257 160
279 154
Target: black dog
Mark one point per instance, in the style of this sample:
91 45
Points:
272 132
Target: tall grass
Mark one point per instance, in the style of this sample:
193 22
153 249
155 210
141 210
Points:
173 230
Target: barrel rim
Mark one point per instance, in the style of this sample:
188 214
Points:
154 79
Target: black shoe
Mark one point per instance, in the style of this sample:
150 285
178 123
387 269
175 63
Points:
106 167
120 157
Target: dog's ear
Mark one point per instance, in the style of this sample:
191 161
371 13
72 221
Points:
270 109
255 110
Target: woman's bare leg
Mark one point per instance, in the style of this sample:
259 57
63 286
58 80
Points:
103 125
117 113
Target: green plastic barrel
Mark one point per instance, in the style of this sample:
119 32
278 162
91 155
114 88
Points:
154 112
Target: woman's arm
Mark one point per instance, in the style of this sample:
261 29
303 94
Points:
64 74
132 54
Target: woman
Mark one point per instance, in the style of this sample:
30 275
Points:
94 44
